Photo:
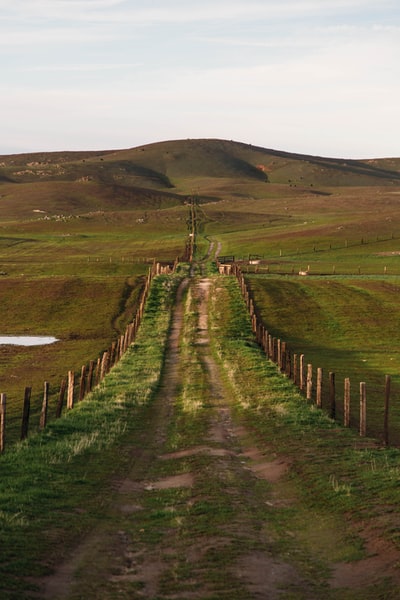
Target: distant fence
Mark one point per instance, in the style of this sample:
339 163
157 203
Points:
74 387
308 379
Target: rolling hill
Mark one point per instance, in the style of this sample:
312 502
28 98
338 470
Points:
163 174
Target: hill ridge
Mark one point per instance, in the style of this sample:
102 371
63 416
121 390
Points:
169 171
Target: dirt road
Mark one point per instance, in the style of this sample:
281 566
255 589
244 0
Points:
193 517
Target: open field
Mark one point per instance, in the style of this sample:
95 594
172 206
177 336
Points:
196 465
79 230
347 326
208 478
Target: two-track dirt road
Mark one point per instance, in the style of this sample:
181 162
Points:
195 522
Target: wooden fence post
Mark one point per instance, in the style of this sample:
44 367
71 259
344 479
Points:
251 307
264 340
363 409
89 379
98 367
121 344
288 363
104 365
45 406
70 395
3 403
283 357
112 353
386 415
279 353
270 346
309 382
301 373
346 409
319 387
25 413
61 395
82 383
254 323
332 396
295 369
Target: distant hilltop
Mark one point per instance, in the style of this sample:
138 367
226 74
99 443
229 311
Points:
163 166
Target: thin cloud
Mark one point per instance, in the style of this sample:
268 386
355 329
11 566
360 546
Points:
119 11
63 35
80 67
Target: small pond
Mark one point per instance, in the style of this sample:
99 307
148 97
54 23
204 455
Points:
27 340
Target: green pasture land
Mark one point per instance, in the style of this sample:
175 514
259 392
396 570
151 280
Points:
341 230
77 278
345 325
344 315
59 486
87 225
84 314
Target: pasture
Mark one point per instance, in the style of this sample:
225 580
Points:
78 232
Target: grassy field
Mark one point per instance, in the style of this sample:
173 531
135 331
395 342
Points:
72 264
60 487
79 230
347 326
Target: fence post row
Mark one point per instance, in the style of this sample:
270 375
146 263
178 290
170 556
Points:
25 413
45 405
386 413
3 401
278 352
363 409
346 408
319 386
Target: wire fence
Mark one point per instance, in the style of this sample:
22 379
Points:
75 386
344 400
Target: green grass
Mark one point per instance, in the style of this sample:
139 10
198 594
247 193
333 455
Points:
44 501
104 216
335 475
191 415
344 325
65 311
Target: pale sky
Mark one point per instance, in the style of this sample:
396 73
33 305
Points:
310 76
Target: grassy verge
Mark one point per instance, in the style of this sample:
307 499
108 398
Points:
66 311
49 484
57 486
342 483
344 325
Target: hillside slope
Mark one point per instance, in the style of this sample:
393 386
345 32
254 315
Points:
121 179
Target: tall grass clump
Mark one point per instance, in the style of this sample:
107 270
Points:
49 483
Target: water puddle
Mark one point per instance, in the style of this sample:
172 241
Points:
27 340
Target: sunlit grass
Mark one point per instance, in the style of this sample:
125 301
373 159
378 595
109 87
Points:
45 478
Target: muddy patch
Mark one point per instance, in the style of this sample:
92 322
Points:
184 453
128 486
129 509
196 451
175 481
58 585
265 576
271 471
382 560
140 569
